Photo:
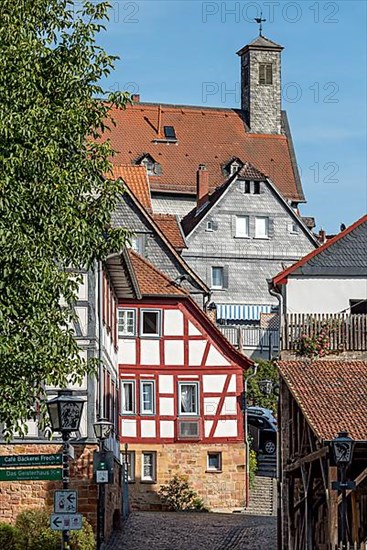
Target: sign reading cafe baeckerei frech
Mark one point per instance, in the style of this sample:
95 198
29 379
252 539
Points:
12 461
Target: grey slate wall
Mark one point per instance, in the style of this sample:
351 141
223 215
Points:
250 261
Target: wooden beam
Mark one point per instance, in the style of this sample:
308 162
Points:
333 508
357 480
355 518
306 459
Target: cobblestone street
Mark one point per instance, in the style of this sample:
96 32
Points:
200 531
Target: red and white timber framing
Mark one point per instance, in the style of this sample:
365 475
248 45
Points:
188 350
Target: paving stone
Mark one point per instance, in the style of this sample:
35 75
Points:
195 531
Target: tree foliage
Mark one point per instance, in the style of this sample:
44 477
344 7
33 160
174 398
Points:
55 201
267 370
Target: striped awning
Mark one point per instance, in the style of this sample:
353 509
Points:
242 312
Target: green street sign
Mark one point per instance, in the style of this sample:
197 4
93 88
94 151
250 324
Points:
48 474
13 461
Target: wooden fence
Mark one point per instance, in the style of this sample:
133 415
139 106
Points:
344 332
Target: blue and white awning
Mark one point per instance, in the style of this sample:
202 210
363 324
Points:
242 312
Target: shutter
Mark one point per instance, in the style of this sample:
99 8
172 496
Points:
225 276
233 225
269 74
261 73
271 228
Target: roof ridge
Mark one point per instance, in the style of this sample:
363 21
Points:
281 278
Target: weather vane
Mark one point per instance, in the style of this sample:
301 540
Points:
260 21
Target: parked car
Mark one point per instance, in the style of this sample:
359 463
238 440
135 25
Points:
264 431
261 411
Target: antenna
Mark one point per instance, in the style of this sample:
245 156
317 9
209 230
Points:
260 22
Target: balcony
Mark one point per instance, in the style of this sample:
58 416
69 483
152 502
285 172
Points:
254 341
335 332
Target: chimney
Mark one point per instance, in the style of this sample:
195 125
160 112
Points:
136 98
202 186
322 236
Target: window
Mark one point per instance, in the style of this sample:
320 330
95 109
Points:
148 466
128 397
234 168
214 462
358 306
247 187
126 322
138 244
256 188
147 397
209 226
242 226
261 228
265 73
129 458
150 323
169 132
294 228
217 277
188 398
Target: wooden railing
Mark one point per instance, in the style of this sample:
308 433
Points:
251 337
344 332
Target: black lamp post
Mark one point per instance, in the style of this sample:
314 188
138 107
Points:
65 413
343 452
102 429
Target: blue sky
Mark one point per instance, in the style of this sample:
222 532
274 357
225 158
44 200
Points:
179 51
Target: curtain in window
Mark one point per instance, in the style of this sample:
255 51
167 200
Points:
188 399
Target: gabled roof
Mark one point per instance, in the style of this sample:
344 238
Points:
205 135
331 395
151 281
170 226
136 178
247 172
344 254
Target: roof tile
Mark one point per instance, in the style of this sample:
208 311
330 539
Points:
169 225
151 281
331 395
136 179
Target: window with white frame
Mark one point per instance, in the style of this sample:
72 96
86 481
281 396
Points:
188 399
128 397
294 227
261 227
147 397
126 322
150 322
217 277
214 463
138 244
129 459
209 225
242 226
148 466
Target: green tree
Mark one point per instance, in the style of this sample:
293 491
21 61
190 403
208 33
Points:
267 370
55 201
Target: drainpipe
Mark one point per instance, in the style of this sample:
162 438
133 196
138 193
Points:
246 434
279 297
100 336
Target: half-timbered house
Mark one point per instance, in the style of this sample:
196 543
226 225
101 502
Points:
181 386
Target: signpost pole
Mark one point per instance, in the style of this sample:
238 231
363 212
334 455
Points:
65 482
101 508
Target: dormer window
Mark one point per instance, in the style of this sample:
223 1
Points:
234 168
153 168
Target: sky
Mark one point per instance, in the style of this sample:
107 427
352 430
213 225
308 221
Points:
184 52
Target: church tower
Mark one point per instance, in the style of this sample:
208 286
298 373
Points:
261 85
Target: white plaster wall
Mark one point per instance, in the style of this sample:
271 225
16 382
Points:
127 351
322 294
193 331
229 405
213 383
128 428
167 428
173 322
196 351
166 406
83 288
211 405
165 383
226 428
215 358
82 313
173 352
148 428
149 352
207 427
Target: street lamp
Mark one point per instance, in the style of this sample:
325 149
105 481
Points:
266 386
343 452
65 413
102 429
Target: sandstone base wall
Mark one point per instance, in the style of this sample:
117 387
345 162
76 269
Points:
225 490
16 496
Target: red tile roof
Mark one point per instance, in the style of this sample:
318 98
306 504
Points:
331 395
282 277
151 281
136 179
170 226
204 136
